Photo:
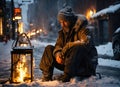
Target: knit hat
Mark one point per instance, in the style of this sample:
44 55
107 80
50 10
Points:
66 14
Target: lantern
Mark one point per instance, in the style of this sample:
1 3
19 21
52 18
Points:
22 60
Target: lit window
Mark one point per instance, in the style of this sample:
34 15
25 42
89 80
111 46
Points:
1 32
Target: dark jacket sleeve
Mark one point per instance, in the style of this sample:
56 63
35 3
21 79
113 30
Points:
82 38
59 43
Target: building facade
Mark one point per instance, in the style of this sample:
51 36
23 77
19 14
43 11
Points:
6 20
107 23
2 19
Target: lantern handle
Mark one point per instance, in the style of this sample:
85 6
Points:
14 44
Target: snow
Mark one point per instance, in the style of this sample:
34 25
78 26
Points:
105 49
38 50
110 9
108 62
117 30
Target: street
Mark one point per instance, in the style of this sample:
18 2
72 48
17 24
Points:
109 71
103 70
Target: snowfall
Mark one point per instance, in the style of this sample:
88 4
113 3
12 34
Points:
93 81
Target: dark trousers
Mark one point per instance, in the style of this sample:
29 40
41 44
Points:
48 61
76 63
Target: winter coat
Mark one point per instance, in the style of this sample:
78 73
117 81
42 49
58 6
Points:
79 35
78 60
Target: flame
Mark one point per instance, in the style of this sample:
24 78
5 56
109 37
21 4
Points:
90 12
24 45
21 70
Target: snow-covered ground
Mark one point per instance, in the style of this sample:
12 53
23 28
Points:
5 64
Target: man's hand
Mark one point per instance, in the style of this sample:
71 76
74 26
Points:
59 58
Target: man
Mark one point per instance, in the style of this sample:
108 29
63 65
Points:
74 51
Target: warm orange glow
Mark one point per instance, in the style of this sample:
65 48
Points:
41 30
18 17
23 45
17 10
21 70
22 60
90 12
34 32
37 31
20 28
1 29
17 13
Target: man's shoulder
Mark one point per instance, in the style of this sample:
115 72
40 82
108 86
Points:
81 17
81 22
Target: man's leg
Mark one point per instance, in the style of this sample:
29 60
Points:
75 62
46 63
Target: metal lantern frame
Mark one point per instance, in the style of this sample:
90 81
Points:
16 54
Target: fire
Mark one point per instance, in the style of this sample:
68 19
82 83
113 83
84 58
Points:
21 70
22 60
90 12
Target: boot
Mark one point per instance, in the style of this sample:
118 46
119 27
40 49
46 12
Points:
64 78
48 78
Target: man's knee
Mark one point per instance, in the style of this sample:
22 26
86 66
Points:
49 48
47 56
79 48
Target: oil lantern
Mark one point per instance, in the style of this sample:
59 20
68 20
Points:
21 60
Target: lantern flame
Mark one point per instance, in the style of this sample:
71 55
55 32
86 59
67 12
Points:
21 70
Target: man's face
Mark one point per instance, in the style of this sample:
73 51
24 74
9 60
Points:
65 25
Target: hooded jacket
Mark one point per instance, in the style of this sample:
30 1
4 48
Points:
79 35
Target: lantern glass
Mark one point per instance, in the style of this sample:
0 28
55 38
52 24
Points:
21 65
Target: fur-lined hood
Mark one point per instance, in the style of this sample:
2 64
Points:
81 22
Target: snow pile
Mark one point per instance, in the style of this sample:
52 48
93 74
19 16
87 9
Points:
117 30
108 62
90 82
105 49
110 9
